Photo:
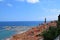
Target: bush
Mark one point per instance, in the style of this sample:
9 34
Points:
51 34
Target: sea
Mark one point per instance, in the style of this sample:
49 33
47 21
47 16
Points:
16 27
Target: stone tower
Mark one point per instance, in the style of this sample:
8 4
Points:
59 18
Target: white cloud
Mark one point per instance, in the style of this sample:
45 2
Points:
20 0
52 13
52 17
10 5
32 1
29 1
56 11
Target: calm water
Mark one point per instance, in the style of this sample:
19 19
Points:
7 33
21 23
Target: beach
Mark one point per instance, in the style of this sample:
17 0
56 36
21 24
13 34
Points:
8 31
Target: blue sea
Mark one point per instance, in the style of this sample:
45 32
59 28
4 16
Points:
20 23
16 25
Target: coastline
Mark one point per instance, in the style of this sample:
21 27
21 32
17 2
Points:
42 27
18 30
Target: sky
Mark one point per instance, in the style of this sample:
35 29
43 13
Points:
29 10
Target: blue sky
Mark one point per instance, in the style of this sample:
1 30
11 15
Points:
29 10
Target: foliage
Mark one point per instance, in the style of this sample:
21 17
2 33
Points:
51 34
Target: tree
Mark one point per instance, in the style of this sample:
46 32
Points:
51 34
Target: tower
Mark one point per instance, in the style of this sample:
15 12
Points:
45 20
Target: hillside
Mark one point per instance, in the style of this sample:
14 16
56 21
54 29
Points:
34 33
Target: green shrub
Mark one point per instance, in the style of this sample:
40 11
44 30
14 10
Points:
51 34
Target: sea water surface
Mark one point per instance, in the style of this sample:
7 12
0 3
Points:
20 23
19 26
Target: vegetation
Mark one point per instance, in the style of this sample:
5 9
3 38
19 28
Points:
52 32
